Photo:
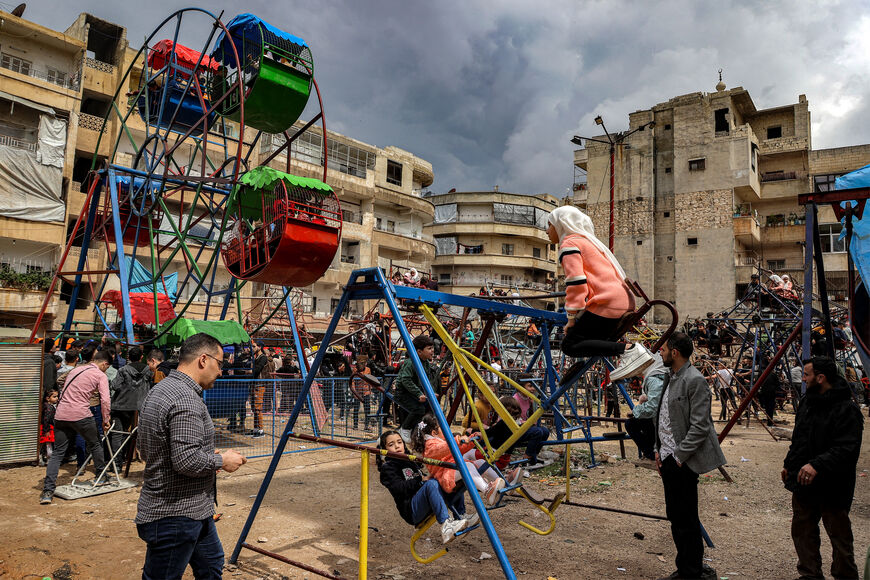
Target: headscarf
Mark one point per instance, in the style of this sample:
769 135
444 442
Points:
657 367
776 278
568 220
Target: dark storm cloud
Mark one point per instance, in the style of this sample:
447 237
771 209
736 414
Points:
491 92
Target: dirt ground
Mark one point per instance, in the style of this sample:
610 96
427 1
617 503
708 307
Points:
311 514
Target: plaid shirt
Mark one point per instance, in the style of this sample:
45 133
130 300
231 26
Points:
176 440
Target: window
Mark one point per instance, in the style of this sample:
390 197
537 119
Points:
15 64
639 242
697 164
668 127
830 234
824 182
754 157
394 172
391 226
57 77
378 224
444 278
507 249
720 117
776 265
774 132
507 279
667 169
692 241
667 214
536 252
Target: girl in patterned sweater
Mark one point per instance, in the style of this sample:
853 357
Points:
596 295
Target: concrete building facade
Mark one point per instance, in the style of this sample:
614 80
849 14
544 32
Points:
492 239
708 195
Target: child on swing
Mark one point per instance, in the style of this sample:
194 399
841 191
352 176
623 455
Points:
429 440
417 495
596 296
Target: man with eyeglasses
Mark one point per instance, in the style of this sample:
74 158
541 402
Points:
176 441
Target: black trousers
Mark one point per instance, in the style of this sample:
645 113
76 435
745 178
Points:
807 539
592 335
123 422
643 433
681 507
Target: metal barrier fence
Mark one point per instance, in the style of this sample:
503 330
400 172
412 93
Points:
250 415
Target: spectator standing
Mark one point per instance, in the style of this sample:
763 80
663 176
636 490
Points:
686 446
155 357
640 425
128 393
363 395
73 416
409 394
176 440
258 387
819 470
49 368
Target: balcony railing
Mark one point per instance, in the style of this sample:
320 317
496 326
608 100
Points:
61 79
92 122
406 233
351 217
99 65
780 176
9 141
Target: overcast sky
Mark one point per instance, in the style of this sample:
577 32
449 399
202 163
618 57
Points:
491 92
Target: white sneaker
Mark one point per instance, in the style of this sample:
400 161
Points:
405 434
634 361
471 520
514 476
491 495
450 528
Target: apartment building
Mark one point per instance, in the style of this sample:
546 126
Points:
492 239
74 76
708 194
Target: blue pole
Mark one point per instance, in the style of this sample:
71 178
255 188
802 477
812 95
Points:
121 256
445 426
291 422
83 256
300 356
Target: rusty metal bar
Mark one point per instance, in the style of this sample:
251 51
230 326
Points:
281 558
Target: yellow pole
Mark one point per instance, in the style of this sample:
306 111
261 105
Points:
364 516
567 472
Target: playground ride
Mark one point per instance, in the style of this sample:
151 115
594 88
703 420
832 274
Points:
172 189
371 284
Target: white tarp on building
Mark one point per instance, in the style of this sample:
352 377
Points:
446 214
28 189
52 141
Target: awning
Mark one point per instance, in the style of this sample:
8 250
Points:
184 56
142 306
225 331
27 103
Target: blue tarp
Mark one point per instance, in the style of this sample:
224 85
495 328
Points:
860 243
140 280
254 31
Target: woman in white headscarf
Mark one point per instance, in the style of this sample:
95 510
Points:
596 295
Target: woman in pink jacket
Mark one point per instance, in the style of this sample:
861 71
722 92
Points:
596 295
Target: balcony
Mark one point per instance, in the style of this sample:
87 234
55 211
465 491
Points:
488 260
90 129
26 301
746 230
58 78
581 158
775 235
9 141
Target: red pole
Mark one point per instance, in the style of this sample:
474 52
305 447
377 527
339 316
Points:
612 227
760 380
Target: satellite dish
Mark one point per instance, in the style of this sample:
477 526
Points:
19 10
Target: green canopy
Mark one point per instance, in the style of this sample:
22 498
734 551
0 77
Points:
264 177
226 331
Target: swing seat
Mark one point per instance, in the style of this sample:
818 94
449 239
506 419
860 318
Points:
190 112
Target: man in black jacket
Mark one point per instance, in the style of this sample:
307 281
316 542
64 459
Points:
128 391
819 470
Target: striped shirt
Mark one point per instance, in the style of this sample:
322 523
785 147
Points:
176 440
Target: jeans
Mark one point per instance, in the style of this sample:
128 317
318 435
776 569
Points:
80 445
64 432
807 539
175 542
432 499
592 335
681 507
642 432
534 440
366 404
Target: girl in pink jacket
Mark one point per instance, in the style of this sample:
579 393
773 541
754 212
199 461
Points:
596 295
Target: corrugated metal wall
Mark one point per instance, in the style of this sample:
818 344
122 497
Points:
20 387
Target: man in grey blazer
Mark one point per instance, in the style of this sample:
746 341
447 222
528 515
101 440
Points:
686 446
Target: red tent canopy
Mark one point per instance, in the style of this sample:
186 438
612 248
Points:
186 57
142 306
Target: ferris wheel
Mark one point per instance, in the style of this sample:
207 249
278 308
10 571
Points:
177 217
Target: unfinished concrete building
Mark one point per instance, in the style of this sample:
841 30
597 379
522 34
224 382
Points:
708 195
